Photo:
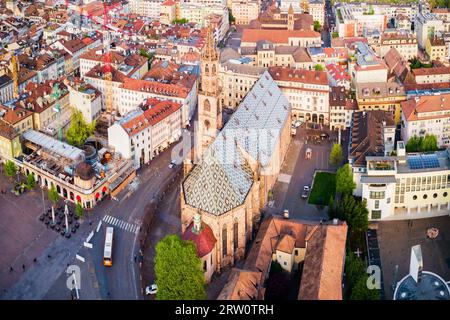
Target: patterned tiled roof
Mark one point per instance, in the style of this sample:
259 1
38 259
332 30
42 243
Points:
222 180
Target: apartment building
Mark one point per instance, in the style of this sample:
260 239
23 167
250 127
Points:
427 25
407 186
432 75
427 114
143 133
146 8
386 96
342 107
245 11
404 41
372 133
307 92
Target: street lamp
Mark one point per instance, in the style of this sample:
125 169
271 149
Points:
66 213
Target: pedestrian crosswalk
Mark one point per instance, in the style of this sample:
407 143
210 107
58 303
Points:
130 227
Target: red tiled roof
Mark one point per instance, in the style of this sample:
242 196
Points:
155 87
324 263
431 71
280 36
204 241
299 75
155 111
424 104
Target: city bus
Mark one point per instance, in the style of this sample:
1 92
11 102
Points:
107 252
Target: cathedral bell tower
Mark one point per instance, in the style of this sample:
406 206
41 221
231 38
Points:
209 108
290 21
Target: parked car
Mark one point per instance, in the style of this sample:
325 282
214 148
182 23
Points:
172 164
305 192
150 290
286 214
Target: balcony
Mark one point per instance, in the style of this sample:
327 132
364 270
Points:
384 167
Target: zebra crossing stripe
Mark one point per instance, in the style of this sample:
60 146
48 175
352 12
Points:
129 226
122 223
115 221
108 219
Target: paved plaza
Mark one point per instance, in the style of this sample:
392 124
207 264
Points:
22 236
396 239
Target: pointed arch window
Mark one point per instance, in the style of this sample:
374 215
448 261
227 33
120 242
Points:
207 106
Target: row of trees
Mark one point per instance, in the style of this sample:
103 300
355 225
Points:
422 144
354 212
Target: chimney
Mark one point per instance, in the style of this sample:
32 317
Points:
197 223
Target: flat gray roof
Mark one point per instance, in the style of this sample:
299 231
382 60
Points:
52 145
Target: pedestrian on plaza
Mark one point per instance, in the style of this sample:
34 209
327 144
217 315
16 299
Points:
23 267
135 258
34 260
49 256
11 269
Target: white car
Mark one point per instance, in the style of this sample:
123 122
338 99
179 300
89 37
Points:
305 192
151 289
172 164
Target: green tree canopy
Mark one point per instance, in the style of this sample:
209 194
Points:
53 194
317 26
148 55
10 168
429 143
356 277
358 218
79 130
31 182
180 21
422 144
319 67
79 211
344 180
178 270
336 155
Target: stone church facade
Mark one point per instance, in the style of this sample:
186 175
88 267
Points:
236 168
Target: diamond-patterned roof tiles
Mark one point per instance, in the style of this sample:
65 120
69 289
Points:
223 178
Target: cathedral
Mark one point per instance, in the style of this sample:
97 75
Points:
234 166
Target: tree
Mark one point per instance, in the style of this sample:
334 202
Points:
335 34
178 270
317 26
344 180
231 18
360 291
319 67
148 55
413 144
180 21
79 211
79 130
336 155
429 143
31 182
53 195
332 212
358 218
10 168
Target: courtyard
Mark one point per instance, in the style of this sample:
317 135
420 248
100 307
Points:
396 239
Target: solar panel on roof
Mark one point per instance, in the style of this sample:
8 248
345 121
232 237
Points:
426 161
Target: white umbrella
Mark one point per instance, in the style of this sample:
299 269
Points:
66 213
53 215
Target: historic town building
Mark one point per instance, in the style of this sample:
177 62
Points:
226 189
